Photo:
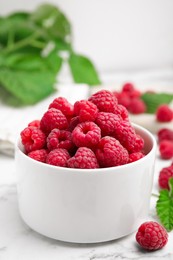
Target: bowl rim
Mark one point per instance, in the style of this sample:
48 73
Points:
96 170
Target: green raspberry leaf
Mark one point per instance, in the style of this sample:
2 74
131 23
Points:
154 100
83 71
164 207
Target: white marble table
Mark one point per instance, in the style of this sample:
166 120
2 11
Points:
19 242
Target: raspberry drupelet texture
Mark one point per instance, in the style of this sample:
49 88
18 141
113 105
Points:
35 123
83 159
165 134
111 153
86 134
151 236
135 156
122 112
166 149
164 176
59 139
53 118
164 113
63 105
73 123
33 139
86 110
58 157
126 135
137 106
138 144
104 100
106 122
39 155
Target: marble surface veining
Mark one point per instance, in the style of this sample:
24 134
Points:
19 242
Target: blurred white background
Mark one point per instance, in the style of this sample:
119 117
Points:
118 35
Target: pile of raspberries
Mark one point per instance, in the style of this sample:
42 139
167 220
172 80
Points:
93 133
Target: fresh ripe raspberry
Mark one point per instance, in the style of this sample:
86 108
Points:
104 100
165 134
106 122
128 87
83 159
58 157
135 156
86 110
164 113
86 134
126 135
151 236
137 106
166 149
39 155
111 153
122 112
59 139
138 145
63 105
124 99
164 176
73 123
35 123
132 92
53 118
33 139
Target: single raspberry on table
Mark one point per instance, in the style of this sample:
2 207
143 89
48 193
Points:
135 156
111 153
137 106
122 112
106 122
165 174
86 134
83 159
86 110
166 149
164 113
32 138
165 134
53 118
151 236
59 139
35 123
63 105
104 100
39 155
126 135
58 157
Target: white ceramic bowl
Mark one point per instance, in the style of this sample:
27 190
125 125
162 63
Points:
85 206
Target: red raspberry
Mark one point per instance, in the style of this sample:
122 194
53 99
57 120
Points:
63 105
128 87
151 236
126 135
106 122
164 176
53 118
165 134
164 113
86 110
122 112
58 157
135 156
104 100
59 139
138 145
137 106
35 123
131 90
166 149
124 99
33 139
73 123
83 159
111 153
86 134
39 155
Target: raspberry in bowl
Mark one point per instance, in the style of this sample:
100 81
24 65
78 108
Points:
85 176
